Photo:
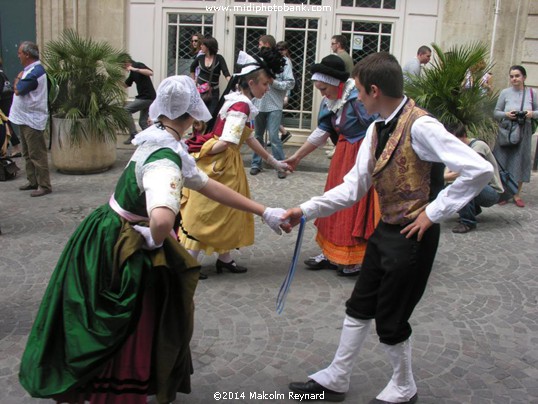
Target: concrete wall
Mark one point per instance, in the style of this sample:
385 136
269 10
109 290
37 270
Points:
513 38
100 19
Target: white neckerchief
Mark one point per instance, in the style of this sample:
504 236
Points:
234 97
166 139
335 105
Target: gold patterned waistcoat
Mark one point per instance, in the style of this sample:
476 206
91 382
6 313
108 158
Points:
400 177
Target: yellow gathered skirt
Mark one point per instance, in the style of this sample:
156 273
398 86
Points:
207 225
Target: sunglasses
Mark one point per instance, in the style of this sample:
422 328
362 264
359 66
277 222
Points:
195 40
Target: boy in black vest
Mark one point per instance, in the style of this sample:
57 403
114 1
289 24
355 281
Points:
401 156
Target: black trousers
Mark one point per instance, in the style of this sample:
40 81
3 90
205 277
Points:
392 281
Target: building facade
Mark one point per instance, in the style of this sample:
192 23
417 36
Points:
157 32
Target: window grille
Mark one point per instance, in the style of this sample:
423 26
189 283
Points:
365 37
181 27
386 4
301 35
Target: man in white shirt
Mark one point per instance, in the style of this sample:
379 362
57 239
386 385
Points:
29 112
402 156
414 66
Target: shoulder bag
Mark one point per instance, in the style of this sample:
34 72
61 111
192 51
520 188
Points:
509 133
205 89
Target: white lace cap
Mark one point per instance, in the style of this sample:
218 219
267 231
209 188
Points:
177 95
325 78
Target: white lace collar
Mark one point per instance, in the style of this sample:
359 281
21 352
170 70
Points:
165 139
335 105
234 97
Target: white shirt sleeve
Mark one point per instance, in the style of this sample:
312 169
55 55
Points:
356 184
233 127
162 184
318 137
432 142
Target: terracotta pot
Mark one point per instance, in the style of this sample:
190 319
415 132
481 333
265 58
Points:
88 157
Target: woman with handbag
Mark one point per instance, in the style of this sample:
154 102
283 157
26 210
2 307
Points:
516 107
210 65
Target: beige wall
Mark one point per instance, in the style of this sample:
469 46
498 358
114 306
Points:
515 40
100 19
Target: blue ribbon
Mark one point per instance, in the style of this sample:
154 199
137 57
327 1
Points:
285 287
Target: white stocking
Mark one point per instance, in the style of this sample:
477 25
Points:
401 387
337 376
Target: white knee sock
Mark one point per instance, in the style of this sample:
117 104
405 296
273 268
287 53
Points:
401 387
337 376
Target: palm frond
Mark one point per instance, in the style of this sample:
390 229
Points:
89 76
451 90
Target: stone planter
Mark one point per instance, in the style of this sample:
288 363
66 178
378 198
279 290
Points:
89 157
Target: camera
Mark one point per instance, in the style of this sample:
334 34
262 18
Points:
520 117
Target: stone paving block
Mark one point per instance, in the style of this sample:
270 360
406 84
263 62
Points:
475 330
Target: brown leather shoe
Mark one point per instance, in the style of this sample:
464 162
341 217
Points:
40 192
27 187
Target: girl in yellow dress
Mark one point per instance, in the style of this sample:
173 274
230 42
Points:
207 225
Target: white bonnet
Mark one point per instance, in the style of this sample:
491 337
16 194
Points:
177 95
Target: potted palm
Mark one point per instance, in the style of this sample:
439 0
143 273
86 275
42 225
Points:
87 110
452 89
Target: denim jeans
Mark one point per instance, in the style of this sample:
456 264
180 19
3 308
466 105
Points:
486 198
271 122
136 105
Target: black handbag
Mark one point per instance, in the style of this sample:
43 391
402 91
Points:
510 184
509 133
8 169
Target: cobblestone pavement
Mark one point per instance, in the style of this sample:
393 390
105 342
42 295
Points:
475 330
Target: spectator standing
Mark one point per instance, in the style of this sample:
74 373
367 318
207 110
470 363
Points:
270 111
401 156
282 47
489 195
30 112
211 65
339 46
516 159
139 74
414 66
196 50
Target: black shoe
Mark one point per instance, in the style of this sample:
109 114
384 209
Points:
202 276
319 262
285 137
313 387
413 400
27 187
255 171
230 266
462 228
